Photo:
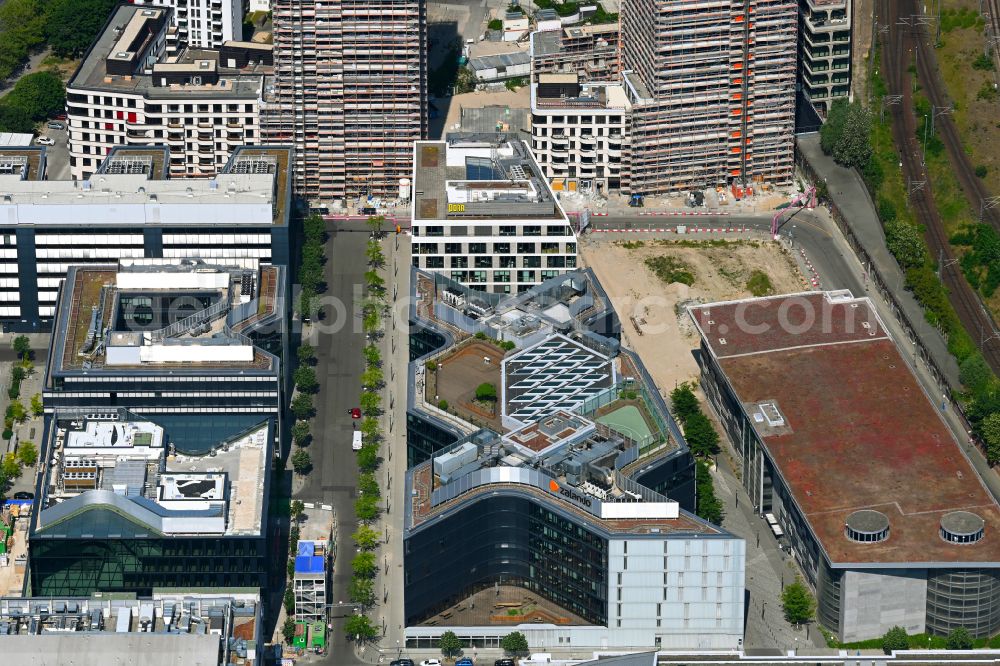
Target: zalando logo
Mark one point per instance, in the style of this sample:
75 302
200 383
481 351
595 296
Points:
565 492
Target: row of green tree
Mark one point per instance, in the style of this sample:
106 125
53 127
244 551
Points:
513 644
367 507
26 455
703 440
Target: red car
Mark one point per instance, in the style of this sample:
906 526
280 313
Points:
60 116
355 412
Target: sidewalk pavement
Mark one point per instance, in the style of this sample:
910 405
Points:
768 568
389 613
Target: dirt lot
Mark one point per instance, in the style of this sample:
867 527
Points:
720 272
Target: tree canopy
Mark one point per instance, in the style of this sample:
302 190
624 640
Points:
72 25
797 604
40 95
449 644
514 643
895 640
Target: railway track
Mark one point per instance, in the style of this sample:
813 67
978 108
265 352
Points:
906 43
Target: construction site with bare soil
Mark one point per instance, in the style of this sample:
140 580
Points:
651 282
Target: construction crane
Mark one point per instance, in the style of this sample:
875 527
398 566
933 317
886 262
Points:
805 199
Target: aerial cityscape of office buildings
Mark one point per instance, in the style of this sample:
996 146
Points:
355 333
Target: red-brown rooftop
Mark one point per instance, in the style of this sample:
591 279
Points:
858 433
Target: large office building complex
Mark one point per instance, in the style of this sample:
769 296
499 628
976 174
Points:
884 513
825 50
564 503
163 395
484 214
713 90
131 209
350 93
128 91
204 24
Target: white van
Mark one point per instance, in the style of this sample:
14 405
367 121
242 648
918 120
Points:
356 443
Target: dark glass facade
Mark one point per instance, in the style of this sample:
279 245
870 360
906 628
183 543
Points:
77 565
423 341
672 476
507 539
424 439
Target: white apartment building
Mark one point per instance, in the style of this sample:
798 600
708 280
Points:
484 215
578 131
127 92
204 24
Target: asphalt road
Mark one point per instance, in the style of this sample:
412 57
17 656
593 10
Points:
333 479
57 156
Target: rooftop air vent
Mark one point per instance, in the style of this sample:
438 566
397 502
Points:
962 527
867 526
771 414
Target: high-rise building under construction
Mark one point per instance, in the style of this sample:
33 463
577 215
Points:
713 88
350 93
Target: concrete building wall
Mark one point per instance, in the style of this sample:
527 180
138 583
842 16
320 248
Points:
874 602
676 593
205 24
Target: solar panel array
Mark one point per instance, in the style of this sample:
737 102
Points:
259 164
130 165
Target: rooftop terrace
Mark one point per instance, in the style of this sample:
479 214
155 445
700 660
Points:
148 318
477 177
848 426
92 73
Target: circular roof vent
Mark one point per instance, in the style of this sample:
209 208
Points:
962 527
867 526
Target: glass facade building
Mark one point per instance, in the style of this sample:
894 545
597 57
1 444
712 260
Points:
506 539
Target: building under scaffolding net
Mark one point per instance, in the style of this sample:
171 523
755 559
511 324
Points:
714 90
350 93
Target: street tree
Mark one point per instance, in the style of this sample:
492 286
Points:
288 629
375 223
854 147
989 430
306 354
373 357
372 378
40 94
375 282
22 346
17 411
27 453
701 435
449 644
366 538
300 432
514 643
368 484
376 258
684 402
10 468
362 591
368 459
296 509
305 379
905 243
364 565
895 640
360 628
797 603
37 409
371 403
369 429
366 508
371 321
301 462
302 406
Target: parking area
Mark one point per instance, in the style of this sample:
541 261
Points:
57 155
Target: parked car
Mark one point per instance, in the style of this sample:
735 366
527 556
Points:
53 124
503 662
61 116
356 442
431 662
401 662
22 495
45 141
464 661
355 412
